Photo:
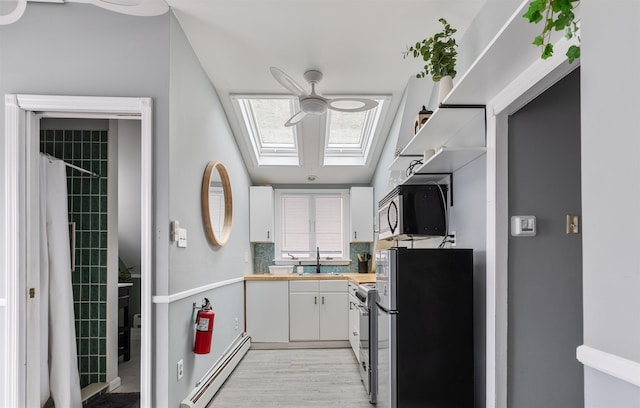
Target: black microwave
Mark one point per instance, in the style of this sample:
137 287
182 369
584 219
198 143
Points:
413 211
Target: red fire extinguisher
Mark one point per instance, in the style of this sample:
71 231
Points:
204 328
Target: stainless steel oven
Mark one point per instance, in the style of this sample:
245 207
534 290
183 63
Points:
367 297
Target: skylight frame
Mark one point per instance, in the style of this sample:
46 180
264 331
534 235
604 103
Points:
349 154
267 154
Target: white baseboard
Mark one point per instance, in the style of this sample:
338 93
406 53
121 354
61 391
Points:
206 389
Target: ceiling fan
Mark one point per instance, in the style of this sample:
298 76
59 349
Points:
314 104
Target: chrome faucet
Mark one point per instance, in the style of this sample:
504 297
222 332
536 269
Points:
317 259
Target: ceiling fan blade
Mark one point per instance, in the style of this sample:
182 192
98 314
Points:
286 81
295 119
351 104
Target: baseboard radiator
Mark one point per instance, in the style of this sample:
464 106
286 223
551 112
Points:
206 389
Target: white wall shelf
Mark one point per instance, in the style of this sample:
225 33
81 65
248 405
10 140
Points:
403 161
440 129
511 50
450 159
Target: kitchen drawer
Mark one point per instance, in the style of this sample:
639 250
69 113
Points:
353 288
304 286
333 285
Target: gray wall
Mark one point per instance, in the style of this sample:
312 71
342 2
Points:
199 133
468 215
74 49
610 147
78 49
545 271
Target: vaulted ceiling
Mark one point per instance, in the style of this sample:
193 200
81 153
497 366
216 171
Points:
357 45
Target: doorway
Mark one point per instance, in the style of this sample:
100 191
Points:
105 245
21 148
545 270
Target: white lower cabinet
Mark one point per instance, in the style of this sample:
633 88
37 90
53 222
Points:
318 310
354 321
267 308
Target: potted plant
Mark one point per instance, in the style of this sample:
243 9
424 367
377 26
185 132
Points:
439 53
557 15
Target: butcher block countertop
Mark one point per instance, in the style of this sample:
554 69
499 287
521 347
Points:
353 277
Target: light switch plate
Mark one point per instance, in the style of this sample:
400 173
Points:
182 237
523 225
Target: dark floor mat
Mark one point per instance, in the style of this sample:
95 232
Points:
116 400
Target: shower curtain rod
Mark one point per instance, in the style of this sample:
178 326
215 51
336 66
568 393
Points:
73 166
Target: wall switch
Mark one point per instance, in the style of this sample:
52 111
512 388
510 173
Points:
180 370
237 324
523 225
573 224
246 257
182 237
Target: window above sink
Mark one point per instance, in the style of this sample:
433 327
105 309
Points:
311 219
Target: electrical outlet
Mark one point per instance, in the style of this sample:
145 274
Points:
237 324
452 238
180 370
573 224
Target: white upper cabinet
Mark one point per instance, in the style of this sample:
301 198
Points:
361 214
261 214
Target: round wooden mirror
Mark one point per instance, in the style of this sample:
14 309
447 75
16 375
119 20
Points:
217 203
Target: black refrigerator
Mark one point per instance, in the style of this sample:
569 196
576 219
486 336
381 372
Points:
425 328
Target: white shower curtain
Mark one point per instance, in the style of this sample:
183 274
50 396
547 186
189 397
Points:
58 334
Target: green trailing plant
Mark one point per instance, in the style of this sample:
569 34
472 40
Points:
558 15
438 52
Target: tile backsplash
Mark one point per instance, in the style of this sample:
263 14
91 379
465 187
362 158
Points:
264 254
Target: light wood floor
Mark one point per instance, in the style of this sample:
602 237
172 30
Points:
295 379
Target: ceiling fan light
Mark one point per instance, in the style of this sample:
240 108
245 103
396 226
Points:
347 104
313 106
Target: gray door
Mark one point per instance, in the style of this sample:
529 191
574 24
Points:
545 271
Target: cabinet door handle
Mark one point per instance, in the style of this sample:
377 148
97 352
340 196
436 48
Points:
323 300
268 232
355 234
315 300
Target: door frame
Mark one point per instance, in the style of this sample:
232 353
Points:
21 148
534 80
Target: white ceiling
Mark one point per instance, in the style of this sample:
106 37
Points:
357 45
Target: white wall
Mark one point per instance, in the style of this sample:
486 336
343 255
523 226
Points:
129 193
611 191
199 133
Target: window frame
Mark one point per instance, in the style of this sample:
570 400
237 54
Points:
264 154
344 193
351 155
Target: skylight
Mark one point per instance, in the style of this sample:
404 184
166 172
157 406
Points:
264 116
349 135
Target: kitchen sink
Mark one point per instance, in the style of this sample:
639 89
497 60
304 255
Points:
322 274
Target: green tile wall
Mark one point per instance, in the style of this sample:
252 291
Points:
88 208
